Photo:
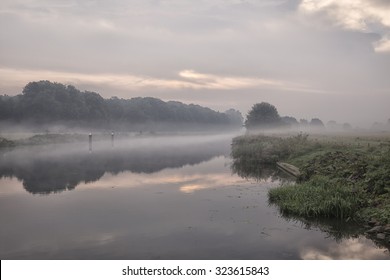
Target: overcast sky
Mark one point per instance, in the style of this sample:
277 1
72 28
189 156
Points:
310 58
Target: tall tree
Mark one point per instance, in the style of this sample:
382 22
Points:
234 116
263 115
316 122
289 121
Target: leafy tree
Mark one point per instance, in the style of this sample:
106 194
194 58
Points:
316 122
263 115
290 121
95 106
6 106
234 116
303 122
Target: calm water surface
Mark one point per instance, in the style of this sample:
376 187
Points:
153 198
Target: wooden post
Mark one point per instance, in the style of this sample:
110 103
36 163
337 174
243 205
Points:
90 142
112 139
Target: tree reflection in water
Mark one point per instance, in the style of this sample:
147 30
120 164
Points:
51 169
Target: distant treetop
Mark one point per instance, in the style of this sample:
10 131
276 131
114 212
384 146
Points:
262 115
316 122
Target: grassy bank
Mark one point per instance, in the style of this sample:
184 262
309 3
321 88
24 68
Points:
42 139
347 178
56 138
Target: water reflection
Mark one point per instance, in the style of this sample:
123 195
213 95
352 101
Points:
348 249
186 180
49 169
338 230
334 229
149 219
259 171
256 169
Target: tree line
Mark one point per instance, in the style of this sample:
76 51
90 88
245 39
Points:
48 102
264 116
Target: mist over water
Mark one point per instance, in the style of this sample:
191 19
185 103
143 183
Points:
54 168
161 197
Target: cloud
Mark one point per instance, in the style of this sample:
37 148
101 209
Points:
119 81
210 81
382 45
358 15
186 79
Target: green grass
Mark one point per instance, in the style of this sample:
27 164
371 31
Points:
269 149
318 197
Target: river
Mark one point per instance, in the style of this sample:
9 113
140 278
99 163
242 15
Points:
167 197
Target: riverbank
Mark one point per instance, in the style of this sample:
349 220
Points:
42 139
347 178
